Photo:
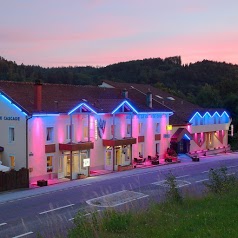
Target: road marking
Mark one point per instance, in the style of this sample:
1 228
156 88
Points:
87 214
199 181
233 166
25 234
2 224
116 199
179 183
182 176
58 208
231 174
207 171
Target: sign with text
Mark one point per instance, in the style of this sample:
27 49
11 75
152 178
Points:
5 118
86 162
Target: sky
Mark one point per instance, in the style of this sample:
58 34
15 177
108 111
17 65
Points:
54 33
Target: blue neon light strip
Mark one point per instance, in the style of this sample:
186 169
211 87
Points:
148 113
187 137
80 105
128 104
207 113
45 114
18 108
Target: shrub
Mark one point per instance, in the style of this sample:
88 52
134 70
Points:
172 194
220 181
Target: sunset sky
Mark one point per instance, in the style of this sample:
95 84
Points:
101 32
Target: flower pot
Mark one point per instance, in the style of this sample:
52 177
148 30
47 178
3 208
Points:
81 176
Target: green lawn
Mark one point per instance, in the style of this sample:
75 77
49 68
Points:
212 216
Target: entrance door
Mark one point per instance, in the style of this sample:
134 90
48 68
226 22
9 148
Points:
108 159
61 167
82 169
157 149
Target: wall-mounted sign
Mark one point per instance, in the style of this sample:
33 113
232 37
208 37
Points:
5 118
101 127
169 127
86 162
166 135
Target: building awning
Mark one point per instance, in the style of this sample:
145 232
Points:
118 142
76 146
180 133
1 149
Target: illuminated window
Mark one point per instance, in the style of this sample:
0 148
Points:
49 133
49 163
68 132
85 132
11 134
157 128
113 129
140 127
128 129
12 161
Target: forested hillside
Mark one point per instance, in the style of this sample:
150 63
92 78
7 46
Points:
207 83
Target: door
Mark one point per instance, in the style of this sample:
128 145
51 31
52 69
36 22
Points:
108 159
82 169
61 167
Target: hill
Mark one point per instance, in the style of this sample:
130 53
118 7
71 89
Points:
206 83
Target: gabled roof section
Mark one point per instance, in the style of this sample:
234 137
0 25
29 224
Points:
125 106
183 110
180 133
13 103
209 114
65 99
82 107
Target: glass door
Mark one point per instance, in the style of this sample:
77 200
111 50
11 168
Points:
108 159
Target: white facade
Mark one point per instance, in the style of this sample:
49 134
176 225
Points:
13 135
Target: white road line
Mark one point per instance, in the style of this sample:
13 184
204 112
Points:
138 174
233 166
25 234
2 224
87 214
182 176
207 171
199 181
58 208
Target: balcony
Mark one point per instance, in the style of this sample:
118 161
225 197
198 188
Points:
118 142
76 146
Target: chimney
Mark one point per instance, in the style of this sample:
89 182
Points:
38 95
125 93
149 99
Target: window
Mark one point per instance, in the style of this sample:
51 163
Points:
85 132
11 134
49 134
157 127
12 161
49 163
113 129
140 127
68 132
128 129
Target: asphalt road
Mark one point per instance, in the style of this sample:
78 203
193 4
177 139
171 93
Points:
52 211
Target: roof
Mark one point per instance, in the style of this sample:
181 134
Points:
183 110
61 98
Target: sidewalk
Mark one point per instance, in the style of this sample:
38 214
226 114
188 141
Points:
56 185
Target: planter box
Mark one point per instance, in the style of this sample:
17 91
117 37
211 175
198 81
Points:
195 159
82 176
42 183
125 167
155 162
